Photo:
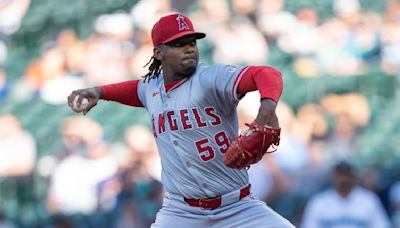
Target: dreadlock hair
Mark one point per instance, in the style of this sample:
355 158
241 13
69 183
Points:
154 69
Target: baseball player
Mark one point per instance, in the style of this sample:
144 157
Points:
192 108
345 205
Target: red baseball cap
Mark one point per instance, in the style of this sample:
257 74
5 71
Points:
172 27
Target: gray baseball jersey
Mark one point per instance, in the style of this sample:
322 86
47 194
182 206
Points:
193 123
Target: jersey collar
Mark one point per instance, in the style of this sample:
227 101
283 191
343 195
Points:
173 85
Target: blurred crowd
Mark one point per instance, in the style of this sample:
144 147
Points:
93 181
115 185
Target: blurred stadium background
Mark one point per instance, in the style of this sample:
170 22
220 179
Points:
341 65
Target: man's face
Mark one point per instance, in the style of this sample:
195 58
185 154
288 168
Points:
181 56
343 181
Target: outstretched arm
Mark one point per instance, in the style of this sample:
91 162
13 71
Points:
124 93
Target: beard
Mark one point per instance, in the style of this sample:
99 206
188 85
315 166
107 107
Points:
189 70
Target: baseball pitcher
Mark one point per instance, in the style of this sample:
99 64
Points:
192 108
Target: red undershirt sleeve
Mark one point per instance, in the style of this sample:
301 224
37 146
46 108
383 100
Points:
123 92
267 80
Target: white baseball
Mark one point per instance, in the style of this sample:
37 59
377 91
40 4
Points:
83 105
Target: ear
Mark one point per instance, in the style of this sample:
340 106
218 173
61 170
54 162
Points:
158 53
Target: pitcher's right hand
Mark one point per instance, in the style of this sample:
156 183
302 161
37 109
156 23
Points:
76 97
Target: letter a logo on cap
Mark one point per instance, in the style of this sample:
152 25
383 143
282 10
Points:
181 23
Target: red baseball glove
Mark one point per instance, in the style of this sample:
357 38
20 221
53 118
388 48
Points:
251 145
